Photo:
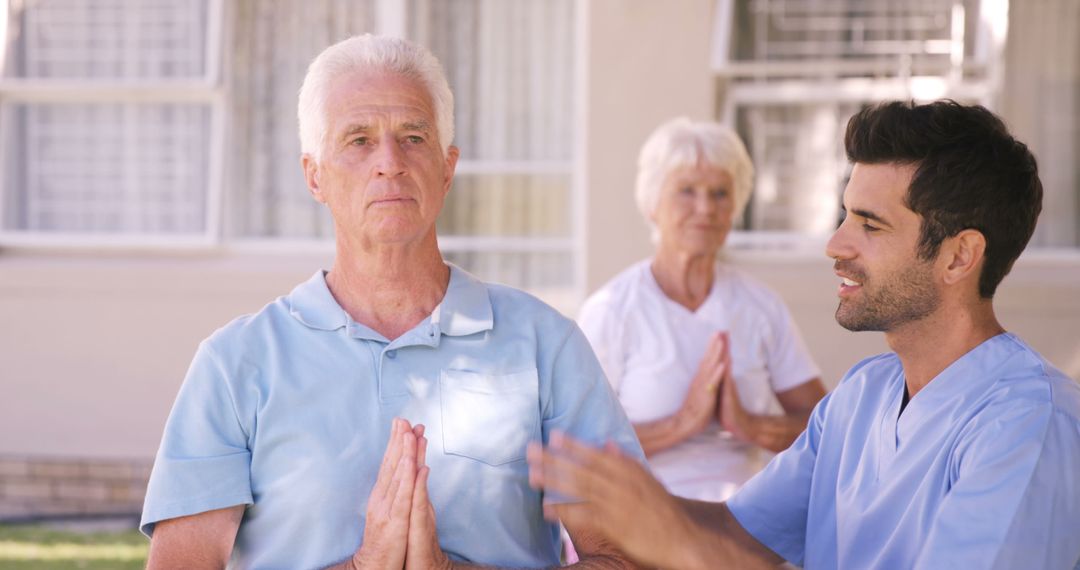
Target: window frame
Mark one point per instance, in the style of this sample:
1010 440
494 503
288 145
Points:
206 90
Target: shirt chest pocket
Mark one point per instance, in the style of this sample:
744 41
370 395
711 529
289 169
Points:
489 418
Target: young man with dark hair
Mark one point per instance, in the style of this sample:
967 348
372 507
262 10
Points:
961 448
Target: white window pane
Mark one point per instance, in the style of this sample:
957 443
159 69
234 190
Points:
801 68
526 270
799 164
518 205
814 29
108 39
107 168
272 45
510 65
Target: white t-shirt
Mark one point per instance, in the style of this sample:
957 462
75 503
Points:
650 348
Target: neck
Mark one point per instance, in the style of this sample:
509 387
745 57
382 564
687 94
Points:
389 288
928 346
685 278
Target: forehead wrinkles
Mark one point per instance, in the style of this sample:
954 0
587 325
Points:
379 93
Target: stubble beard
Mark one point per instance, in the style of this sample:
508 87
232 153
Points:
903 297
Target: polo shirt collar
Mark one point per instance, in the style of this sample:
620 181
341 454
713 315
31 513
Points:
312 304
464 310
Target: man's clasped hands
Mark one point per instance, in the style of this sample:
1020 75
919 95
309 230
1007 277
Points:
400 528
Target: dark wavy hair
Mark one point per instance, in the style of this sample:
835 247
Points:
970 174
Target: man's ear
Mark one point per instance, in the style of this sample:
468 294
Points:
452 154
311 176
963 256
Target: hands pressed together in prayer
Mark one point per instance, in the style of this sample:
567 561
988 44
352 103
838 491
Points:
400 528
713 393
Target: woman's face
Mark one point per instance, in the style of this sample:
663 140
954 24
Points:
695 209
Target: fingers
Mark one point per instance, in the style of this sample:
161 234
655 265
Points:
552 472
404 477
577 450
570 468
711 370
389 461
725 342
421 451
714 351
422 511
574 515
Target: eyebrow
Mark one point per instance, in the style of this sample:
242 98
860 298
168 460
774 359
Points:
418 125
868 215
421 125
354 129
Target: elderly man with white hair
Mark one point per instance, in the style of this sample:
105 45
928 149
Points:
706 360
378 415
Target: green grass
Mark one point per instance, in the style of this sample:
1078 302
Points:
41 548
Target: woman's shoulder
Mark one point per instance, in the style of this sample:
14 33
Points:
621 293
623 287
747 290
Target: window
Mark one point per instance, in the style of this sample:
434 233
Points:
792 72
511 67
109 115
124 121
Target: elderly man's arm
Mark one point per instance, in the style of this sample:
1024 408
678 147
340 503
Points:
205 540
625 505
201 541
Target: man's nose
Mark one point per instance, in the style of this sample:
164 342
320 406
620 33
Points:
838 246
390 158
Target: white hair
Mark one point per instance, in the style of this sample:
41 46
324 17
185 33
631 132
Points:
681 142
370 53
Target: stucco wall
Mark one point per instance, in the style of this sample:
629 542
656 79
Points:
93 349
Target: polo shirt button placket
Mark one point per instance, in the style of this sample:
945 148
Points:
391 354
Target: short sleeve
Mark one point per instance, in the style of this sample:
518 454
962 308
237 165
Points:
773 505
1016 499
581 403
204 460
789 361
599 324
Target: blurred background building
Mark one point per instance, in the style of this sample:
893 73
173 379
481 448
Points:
150 187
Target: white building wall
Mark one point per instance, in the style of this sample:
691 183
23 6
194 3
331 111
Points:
93 346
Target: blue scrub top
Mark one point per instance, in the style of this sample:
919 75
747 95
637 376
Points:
982 470
288 411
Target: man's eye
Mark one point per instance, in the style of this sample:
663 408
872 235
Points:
719 194
415 139
686 191
870 228
361 141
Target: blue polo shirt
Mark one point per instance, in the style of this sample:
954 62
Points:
288 411
982 470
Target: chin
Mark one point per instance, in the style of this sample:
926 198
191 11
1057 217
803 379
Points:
696 249
395 234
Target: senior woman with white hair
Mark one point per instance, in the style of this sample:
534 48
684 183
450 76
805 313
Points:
706 361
